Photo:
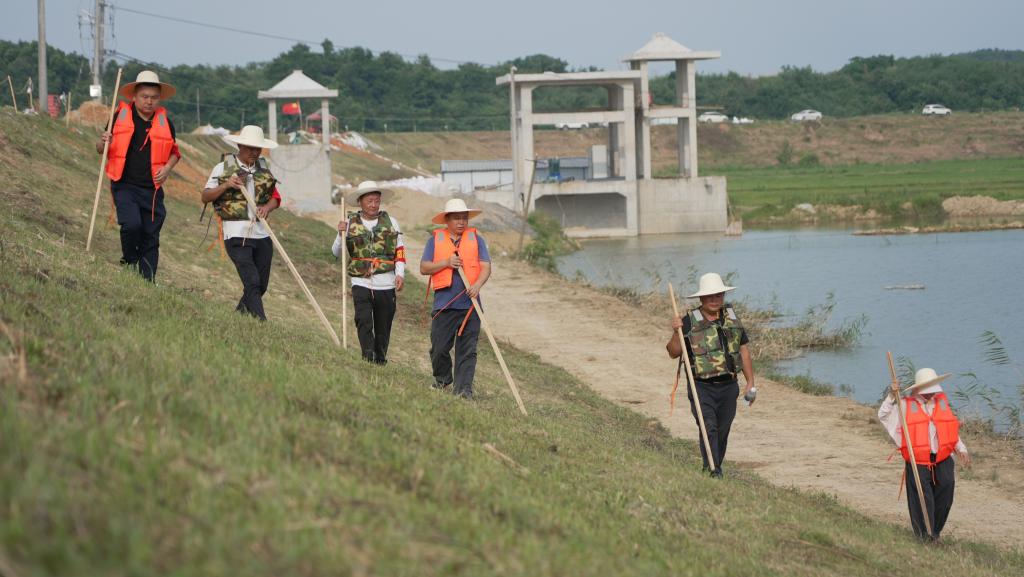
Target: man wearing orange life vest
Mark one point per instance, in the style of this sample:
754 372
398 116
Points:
454 322
142 153
934 437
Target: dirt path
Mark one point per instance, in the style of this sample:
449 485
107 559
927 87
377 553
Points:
827 444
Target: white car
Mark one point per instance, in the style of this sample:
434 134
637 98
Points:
743 120
806 116
935 110
712 117
571 125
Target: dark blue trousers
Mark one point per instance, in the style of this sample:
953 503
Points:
141 216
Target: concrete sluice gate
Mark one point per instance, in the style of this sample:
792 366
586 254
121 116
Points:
602 210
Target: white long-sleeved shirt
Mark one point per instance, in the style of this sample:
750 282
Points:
380 281
891 420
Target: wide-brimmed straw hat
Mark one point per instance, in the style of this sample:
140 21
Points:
452 206
148 77
926 381
251 135
366 187
711 284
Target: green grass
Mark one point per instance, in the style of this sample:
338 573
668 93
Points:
157 432
773 191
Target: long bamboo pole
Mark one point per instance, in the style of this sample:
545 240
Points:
298 278
693 385
67 112
906 443
103 163
494 344
344 279
14 99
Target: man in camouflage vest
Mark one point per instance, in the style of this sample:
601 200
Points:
716 344
246 240
376 267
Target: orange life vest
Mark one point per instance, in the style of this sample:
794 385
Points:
444 248
947 428
161 141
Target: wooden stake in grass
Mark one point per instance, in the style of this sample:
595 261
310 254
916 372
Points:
494 344
298 278
103 163
526 205
906 443
692 385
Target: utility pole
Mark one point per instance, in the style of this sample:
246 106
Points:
44 106
198 124
98 33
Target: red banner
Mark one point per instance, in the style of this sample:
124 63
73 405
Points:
291 109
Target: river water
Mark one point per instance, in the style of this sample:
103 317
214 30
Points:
972 284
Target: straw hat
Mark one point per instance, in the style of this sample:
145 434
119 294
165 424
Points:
454 205
366 187
251 135
147 77
926 381
711 284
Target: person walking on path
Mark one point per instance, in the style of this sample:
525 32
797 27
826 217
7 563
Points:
142 153
246 240
717 345
454 323
934 438
376 267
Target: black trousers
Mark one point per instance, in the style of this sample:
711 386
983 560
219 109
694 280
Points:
252 258
938 496
718 405
140 220
443 336
375 310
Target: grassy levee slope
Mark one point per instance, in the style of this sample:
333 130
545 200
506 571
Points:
150 430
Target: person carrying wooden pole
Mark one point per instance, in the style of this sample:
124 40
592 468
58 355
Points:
456 247
244 193
927 434
716 352
372 247
142 153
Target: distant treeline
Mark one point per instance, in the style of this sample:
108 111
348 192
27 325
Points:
384 91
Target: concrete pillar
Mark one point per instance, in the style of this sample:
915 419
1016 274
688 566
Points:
614 133
272 119
325 124
684 89
629 131
526 152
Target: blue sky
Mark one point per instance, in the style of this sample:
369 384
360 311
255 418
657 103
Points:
755 36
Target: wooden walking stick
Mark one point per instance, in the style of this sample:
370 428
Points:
344 280
691 383
277 244
494 343
906 443
103 164
14 99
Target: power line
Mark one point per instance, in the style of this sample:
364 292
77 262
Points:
274 36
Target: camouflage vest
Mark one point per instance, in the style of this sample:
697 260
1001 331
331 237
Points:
231 205
709 358
371 251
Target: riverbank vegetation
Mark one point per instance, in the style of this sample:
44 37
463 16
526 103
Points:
149 429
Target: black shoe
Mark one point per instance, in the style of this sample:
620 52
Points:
717 474
438 385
